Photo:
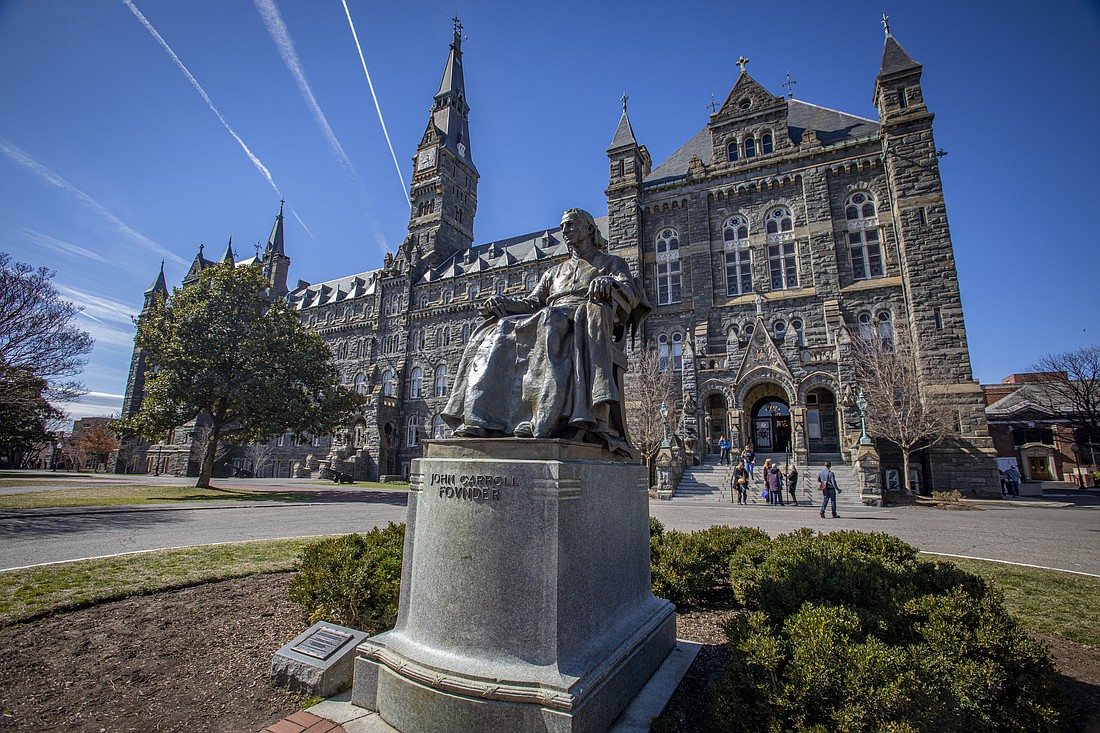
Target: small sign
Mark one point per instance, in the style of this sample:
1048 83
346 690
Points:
322 643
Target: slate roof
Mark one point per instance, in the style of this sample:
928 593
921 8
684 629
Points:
831 126
335 291
624 134
895 59
1031 396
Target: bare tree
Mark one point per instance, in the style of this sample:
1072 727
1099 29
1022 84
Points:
898 410
1072 389
647 388
260 454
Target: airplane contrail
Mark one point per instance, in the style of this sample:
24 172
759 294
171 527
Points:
22 158
404 188
198 87
277 29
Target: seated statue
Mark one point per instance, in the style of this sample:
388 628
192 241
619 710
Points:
543 366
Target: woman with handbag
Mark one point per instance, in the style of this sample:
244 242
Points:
740 483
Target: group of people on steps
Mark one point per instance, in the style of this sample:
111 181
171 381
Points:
743 478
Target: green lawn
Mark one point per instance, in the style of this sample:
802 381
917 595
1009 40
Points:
1049 601
27 594
137 494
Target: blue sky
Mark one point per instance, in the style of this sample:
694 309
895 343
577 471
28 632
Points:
112 160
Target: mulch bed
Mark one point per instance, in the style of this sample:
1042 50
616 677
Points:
198 659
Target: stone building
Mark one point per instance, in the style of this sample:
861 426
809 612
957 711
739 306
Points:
769 242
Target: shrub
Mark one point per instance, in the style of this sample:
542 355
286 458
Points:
688 565
352 580
852 632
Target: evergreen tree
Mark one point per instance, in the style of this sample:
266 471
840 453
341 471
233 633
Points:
221 348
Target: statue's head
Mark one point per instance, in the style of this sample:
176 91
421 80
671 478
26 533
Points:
587 223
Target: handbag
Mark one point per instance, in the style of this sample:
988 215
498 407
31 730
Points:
764 494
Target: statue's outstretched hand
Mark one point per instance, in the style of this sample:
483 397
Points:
494 307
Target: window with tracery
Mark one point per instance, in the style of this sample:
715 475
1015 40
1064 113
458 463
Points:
389 383
738 256
864 245
360 383
783 265
662 352
779 221
668 267
677 351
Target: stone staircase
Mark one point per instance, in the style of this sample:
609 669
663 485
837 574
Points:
710 481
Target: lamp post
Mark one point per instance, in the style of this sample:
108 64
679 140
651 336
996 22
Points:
664 425
861 404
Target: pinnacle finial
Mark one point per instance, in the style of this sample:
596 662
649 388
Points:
742 62
458 28
281 202
624 101
713 106
886 23
790 85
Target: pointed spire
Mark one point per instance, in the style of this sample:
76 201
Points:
894 57
275 241
228 255
159 285
450 113
624 133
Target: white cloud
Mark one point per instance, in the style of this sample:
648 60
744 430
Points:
58 245
99 308
93 404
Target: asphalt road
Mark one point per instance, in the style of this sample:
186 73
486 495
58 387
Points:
1053 532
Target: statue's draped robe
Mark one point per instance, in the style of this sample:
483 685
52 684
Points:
541 373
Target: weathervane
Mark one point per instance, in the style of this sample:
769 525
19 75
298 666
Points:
713 105
790 85
742 62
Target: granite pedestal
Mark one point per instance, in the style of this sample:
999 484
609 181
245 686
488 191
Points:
525 593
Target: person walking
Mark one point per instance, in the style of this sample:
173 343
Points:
740 483
749 457
773 479
826 483
792 484
724 447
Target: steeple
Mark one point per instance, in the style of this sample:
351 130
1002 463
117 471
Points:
897 86
444 181
450 112
275 241
276 263
228 255
199 264
159 287
624 133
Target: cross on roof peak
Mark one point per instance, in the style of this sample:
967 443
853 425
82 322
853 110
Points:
886 23
713 105
742 62
790 85
624 101
458 26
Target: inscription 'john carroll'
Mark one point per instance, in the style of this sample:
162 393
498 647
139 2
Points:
473 486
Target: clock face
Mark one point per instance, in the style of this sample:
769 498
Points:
426 159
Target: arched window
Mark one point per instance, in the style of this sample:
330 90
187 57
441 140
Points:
412 434
885 330
500 287
441 381
864 246
423 301
465 333
668 267
389 383
796 326
677 351
747 330
866 327
416 380
731 151
530 284
440 429
733 338
779 221
780 329
662 352
750 147
446 336
735 235
360 383
473 292
767 143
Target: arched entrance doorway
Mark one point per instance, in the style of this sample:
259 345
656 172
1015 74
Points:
822 425
771 425
717 417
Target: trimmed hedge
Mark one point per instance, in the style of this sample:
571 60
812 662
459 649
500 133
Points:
686 566
352 580
852 632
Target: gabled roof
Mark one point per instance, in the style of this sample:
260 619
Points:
1030 397
830 125
334 291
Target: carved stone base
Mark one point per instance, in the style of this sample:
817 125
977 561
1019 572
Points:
525 593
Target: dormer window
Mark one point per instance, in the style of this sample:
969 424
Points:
731 151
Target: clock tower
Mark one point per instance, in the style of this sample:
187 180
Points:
444 182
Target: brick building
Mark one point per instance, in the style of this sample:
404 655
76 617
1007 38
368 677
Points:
768 243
